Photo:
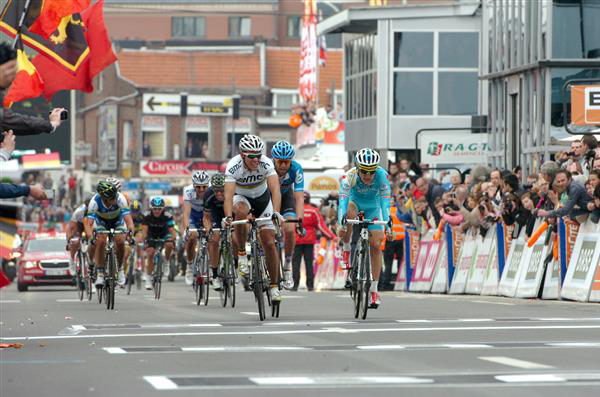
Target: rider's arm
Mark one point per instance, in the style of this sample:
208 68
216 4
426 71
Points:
145 232
299 191
344 198
229 193
273 184
129 222
299 197
88 225
207 220
172 233
187 208
385 196
70 230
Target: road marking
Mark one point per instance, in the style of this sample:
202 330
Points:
114 350
161 382
467 346
414 321
494 303
530 378
97 327
68 300
10 301
513 362
475 320
283 380
310 331
574 344
250 313
381 347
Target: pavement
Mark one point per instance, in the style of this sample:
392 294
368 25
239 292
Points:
414 344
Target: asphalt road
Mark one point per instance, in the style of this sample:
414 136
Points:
414 344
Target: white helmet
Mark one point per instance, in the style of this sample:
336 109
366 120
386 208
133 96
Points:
367 159
115 182
200 178
251 143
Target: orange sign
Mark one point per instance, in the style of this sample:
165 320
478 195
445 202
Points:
585 104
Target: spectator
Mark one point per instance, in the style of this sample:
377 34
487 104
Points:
588 153
146 148
305 245
7 146
594 206
576 205
48 182
9 190
431 193
62 189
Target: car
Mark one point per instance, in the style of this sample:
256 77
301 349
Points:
44 260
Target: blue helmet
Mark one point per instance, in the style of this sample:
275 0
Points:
283 150
157 202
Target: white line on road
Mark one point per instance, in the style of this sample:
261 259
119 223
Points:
513 362
494 303
250 313
306 331
574 344
161 382
413 321
68 300
381 347
475 320
530 378
114 350
282 380
467 346
10 301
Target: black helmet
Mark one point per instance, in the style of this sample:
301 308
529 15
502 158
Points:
107 190
218 181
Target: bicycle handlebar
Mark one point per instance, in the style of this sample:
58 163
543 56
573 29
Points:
365 222
245 221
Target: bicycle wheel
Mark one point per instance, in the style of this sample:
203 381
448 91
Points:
79 278
356 290
110 282
157 275
172 269
257 285
89 281
205 279
223 294
365 280
130 279
230 275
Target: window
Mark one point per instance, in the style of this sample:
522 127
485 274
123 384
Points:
232 151
361 78
188 26
458 50
153 145
284 99
293 26
413 93
457 93
576 32
413 49
239 26
197 145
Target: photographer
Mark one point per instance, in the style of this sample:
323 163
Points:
588 148
576 206
21 124
514 213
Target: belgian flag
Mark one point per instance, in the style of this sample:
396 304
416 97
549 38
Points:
27 83
66 46
50 15
8 232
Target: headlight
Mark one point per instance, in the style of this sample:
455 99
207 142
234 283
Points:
16 254
30 264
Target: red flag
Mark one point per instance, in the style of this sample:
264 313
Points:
3 280
27 83
101 55
49 15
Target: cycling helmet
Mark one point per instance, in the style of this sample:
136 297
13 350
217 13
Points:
115 182
199 178
283 150
157 202
251 143
217 180
107 190
367 159
136 205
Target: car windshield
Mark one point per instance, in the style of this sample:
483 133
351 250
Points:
46 245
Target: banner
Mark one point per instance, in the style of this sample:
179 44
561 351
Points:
461 271
533 269
478 271
440 278
422 277
585 105
510 276
583 264
309 53
453 148
492 273
552 281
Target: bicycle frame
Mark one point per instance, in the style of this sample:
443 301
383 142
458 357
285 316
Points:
110 254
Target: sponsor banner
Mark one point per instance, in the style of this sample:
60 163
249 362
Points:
419 263
400 283
510 275
423 277
552 281
492 275
440 279
453 148
585 105
478 271
533 269
583 264
325 273
176 168
466 260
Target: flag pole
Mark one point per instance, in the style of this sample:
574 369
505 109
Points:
21 21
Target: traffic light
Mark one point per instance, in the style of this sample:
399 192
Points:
236 107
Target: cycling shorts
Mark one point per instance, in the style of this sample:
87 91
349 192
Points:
288 204
371 212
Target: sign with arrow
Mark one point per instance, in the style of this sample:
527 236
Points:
197 105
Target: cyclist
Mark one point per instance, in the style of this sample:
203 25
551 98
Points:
213 217
108 210
291 180
252 187
75 228
366 188
157 224
138 217
193 208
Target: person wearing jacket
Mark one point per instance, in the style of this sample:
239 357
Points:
305 245
9 190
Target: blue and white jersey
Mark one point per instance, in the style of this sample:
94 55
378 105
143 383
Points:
366 197
196 202
79 214
98 211
293 178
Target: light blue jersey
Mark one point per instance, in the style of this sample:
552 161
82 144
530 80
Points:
294 177
373 199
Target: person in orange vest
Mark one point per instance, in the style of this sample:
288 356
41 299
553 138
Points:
305 245
394 248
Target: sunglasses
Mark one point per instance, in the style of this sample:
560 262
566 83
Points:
367 172
286 162
218 189
253 155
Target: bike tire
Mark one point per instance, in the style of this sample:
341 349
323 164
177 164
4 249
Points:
80 281
110 301
231 276
223 294
90 283
365 280
257 283
100 292
158 276
205 280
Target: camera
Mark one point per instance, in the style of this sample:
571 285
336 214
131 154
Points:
590 155
7 53
64 114
570 153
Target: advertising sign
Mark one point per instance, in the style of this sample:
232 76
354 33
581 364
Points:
478 271
467 256
107 137
585 105
453 148
168 168
533 270
583 265
509 280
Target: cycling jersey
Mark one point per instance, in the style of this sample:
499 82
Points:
294 177
250 184
138 219
158 226
197 204
373 199
79 214
108 216
215 206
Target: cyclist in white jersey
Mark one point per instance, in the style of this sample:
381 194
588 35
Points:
252 187
193 209
75 229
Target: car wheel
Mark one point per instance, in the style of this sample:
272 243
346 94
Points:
22 287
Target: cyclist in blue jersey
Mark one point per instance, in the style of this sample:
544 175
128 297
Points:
291 180
366 188
193 210
108 209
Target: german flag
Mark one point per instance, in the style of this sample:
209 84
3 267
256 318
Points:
27 83
67 45
41 161
50 15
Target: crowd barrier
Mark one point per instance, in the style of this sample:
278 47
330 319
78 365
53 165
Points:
495 263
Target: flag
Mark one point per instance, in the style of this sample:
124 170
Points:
48 16
101 55
27 83
322 45
8 229
67 47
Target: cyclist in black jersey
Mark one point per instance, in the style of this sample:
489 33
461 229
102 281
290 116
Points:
157 224
212 218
